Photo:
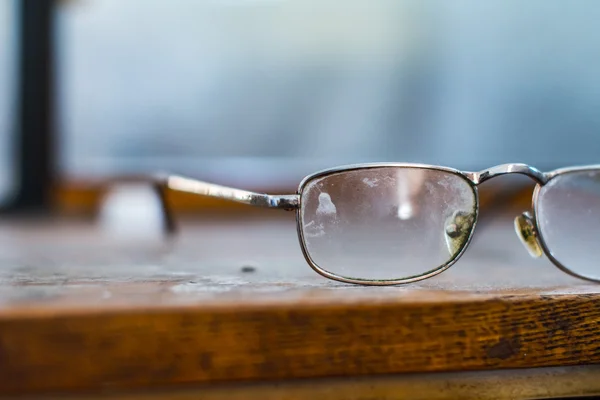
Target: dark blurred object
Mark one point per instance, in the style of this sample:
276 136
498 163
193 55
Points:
35 151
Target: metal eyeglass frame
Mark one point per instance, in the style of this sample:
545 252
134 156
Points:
527 225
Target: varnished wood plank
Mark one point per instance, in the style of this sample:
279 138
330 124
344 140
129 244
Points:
153 346
83 310
497 385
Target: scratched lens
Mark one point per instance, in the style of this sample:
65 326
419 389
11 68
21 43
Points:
568 214
386 223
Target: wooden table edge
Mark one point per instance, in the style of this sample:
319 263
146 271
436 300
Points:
120 347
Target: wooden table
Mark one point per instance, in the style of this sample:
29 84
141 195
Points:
229 309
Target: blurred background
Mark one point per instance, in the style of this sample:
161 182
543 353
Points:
259 93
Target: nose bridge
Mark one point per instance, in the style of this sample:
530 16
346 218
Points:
504 169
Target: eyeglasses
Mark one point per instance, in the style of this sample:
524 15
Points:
389 223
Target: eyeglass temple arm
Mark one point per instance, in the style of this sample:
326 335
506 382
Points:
188 185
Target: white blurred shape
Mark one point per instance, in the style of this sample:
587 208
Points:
405 211
132 210
409 183
326 206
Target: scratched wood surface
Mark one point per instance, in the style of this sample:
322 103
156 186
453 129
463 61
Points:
86 308
535 383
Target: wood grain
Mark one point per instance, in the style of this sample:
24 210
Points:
82 310
186 345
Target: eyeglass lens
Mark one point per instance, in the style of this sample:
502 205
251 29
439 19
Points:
386 223
568 214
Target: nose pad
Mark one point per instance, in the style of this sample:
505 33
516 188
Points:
457 230
527 233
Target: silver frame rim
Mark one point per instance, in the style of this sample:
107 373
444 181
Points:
540 235
468 177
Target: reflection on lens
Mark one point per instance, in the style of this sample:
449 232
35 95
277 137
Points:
568 214
386 223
